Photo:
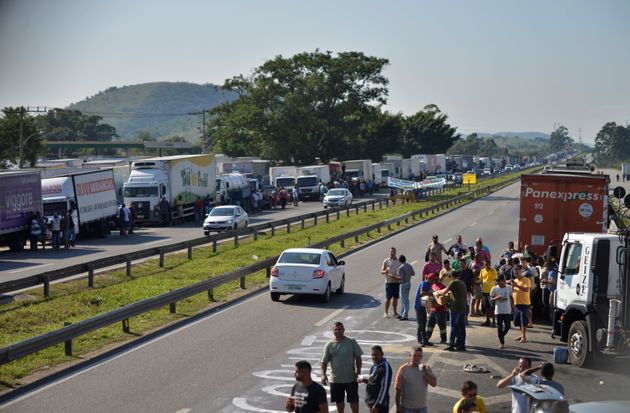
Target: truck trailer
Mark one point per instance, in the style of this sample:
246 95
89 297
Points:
357 169
181 179
553 204
21 193
90 195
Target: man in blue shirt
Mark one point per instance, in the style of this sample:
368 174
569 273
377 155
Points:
424 290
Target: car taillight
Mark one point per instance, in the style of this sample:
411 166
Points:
275 272
319 273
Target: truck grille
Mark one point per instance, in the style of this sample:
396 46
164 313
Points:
143 209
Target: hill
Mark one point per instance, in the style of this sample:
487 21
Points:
161 108
524 135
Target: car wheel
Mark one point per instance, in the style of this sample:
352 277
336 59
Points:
275 296
326 296
342 286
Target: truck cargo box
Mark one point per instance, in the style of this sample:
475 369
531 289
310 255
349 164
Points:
553 204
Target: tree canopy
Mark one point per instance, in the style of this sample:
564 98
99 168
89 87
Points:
427 131
612 144
559 139
10 138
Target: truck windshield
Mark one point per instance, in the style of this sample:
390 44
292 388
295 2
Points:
310 181
352 173
140 191
52 207
572 264
286 182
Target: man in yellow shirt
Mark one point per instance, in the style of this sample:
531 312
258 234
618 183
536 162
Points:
521 286
488 277
469 392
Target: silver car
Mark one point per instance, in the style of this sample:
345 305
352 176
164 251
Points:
225 218
307 271
337 197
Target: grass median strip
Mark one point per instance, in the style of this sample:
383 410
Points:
73 301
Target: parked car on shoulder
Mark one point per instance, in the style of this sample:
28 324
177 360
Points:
337 197
307 271
225 218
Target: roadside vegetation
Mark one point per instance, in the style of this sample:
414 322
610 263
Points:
32 314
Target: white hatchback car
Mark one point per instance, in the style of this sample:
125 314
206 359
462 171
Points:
307 271
337 197
225 218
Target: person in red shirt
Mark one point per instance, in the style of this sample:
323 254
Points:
432 266
438 312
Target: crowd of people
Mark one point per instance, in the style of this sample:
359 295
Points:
61 228
456 283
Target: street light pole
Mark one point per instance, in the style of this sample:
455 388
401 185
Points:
22 143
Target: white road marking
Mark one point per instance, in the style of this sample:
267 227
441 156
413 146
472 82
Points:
183 411
330 316
448 240
30 268
411 263
473 224
490 213
155 242
308 340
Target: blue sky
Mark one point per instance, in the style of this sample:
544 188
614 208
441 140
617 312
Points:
490 65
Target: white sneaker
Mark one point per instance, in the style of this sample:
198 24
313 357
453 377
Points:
501 346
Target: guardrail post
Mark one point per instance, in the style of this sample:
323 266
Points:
378 229
211 294
356 238
172 308
161 258
364 207
189 251
397 223
268 272
255 235
236 238
46 286
386 202
273 230
90 275
373 205
342 243
214 245
243 283
67 345
302 223
128 267
327 217
356 210
125 326
389 227
337 213
406 220
288 227
347 211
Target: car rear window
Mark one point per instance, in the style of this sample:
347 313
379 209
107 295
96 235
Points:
300 258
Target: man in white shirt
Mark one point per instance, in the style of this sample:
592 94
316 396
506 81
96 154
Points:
520 375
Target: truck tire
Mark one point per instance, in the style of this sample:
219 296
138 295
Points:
17 243
577 344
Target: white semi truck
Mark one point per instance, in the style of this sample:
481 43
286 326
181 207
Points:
309 179
592 300
181 179
357 169
90 195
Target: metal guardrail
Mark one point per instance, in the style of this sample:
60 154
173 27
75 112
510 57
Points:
122 314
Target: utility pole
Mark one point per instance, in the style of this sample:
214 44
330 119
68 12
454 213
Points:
21 111
203 126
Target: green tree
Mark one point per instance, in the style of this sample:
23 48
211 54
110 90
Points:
298 108
559 139
427 132
612 144
10 139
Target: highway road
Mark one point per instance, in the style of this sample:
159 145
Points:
16 265
239 358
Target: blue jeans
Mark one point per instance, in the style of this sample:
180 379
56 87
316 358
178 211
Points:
56 239
458 330
404 296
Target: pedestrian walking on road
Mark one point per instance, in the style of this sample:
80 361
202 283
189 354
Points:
432 266
404 274
521 286
55 230
424 298
488 277
377 389
412 382
438 314
501 296
344 355
437 248
295 193
307 396
392 289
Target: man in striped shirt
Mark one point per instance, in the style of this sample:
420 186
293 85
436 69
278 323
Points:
377 390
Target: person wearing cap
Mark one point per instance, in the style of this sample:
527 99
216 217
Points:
501 296
436 248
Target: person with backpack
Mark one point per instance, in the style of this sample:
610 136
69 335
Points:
36 231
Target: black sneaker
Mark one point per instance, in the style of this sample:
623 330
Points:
486 323
461 349
449 348
427 344
403 319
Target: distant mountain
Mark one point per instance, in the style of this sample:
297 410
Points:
525 135
161 108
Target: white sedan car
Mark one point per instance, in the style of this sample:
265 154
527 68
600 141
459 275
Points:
225 218
337 197
307 271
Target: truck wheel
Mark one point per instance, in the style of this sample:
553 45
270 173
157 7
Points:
577 345
17 243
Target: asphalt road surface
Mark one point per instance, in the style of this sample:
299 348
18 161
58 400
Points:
240 358
16 265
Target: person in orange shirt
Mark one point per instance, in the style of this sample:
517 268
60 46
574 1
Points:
521 286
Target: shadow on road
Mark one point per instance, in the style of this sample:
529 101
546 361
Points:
359 301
